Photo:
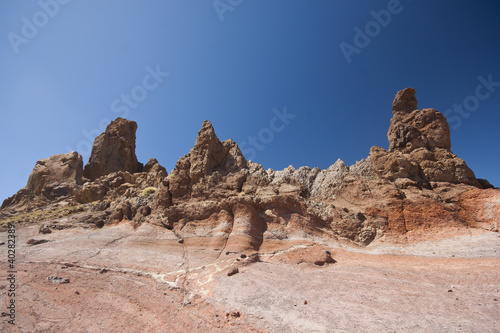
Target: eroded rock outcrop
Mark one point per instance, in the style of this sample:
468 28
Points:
419 146
210 167
113 150
52 178
216 198
55 172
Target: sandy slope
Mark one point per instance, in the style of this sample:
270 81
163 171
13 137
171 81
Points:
152 283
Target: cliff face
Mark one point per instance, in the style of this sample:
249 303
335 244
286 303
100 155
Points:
216 197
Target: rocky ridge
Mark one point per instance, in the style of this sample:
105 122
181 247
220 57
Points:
215 197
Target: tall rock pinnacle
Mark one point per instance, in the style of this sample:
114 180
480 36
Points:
209 155
113 150
412 128
419 146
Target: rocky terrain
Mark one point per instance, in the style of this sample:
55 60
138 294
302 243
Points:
404 240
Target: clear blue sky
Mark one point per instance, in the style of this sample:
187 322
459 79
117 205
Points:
64 69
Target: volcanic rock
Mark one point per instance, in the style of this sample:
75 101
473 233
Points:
405 101
175 229
44 229
209 163
328 181
216 198
113 150
247 231
154 173
419 146
53 173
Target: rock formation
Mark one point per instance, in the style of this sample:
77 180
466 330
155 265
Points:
206 168
178 240
419 146
113 150
215 197
56 171
52 178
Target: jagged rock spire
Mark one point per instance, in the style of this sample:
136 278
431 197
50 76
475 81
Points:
113 150
207 156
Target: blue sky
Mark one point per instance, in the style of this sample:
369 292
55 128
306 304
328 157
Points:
67 68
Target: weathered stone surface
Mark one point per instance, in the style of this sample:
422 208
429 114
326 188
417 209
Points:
155 168
215 198
152 175
327 182
392 166
412 128
480 208
175 241
208 163
53 172
419 146
425 128
90 193
247 231
405 101
113 150
308 254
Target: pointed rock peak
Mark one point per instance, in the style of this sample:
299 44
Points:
206 133
207 139
405 101
208 155
207 124
338 165
113 150
153 165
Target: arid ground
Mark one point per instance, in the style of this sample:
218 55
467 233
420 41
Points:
143 280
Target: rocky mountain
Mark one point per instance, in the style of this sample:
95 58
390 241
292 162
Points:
215 193
222 245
